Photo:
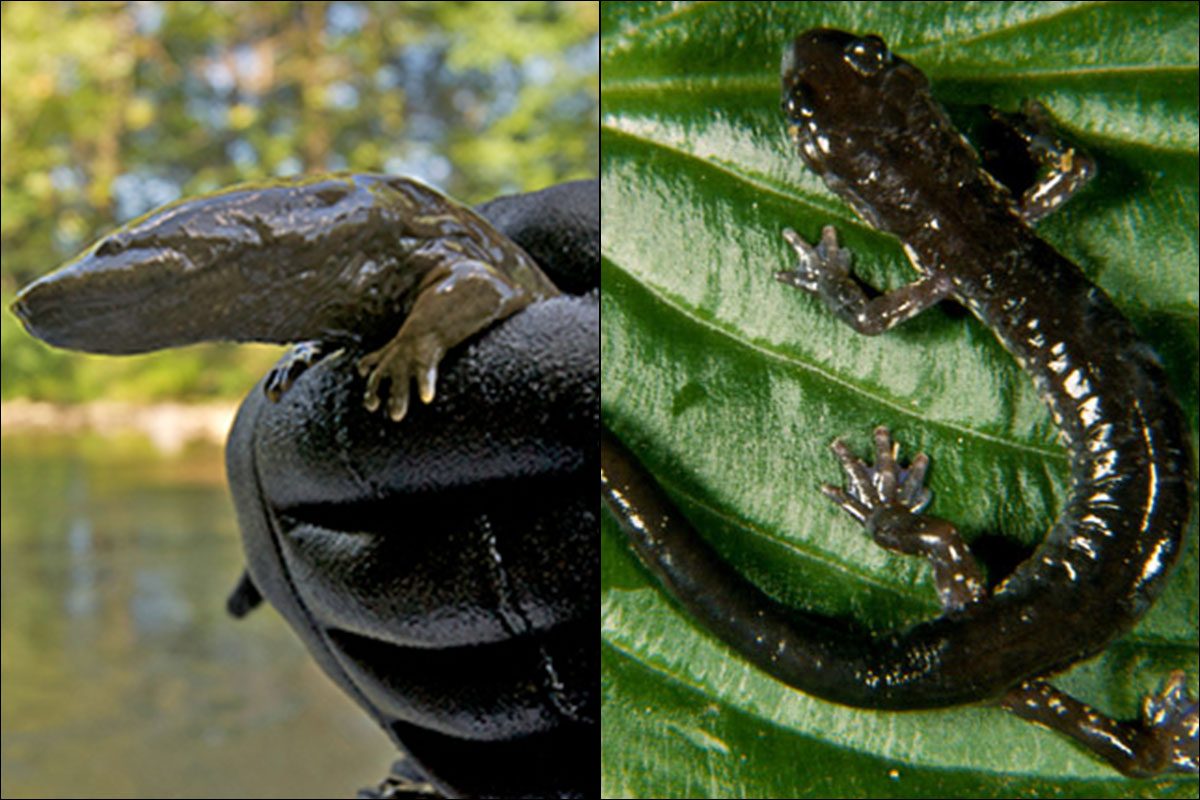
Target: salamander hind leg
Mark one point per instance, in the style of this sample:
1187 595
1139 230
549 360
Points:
452 303
1164 739
888 500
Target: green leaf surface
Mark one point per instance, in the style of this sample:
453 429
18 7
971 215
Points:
730 386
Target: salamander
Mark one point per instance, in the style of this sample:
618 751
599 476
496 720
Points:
402 556
269 262
864 119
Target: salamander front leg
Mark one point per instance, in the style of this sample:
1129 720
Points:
1026 153
824 271
888 501
294 363
1163 740
453 302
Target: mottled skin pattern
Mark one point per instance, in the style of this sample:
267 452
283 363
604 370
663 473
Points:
269 262
864 120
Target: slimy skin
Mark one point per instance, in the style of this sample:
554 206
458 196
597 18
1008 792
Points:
441 572
865 121
370 261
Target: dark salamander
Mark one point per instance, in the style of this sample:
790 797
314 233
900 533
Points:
865 120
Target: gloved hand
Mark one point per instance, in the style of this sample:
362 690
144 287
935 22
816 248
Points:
443 571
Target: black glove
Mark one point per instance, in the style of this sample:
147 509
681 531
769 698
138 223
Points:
443 571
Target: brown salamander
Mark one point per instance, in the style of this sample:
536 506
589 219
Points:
329 261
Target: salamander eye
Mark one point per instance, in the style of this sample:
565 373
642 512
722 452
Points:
868 56
332 196
109 247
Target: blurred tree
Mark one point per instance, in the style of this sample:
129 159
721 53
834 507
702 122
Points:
108 110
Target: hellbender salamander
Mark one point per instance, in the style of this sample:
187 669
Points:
441 572
866 122
339 259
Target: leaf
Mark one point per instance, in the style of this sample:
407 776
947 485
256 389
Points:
730 386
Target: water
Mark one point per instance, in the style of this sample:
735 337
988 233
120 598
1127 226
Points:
122 674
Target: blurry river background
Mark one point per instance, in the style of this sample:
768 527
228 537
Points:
122 673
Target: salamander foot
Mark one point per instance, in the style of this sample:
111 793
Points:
1172 719
889 500
1163 740
826 259
289 368
869 489
401 360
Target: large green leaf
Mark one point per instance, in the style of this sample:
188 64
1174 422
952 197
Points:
730 386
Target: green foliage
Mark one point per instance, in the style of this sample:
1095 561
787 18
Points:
110 109
730 386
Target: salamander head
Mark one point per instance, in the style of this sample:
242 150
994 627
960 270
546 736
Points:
838 88
246 263
864 120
